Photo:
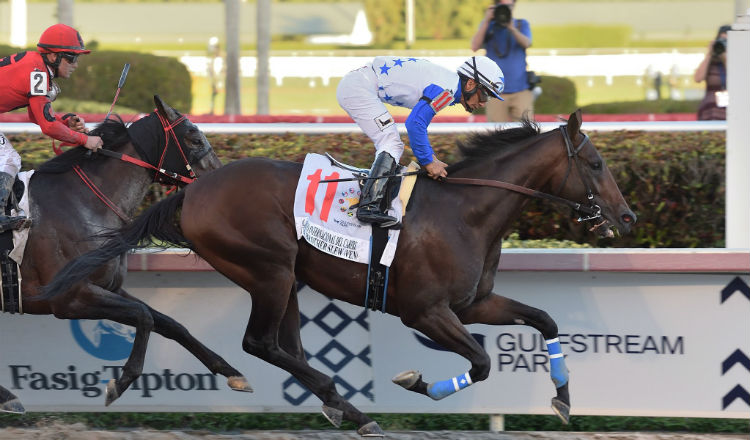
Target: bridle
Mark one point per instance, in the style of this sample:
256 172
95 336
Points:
592 211
161 175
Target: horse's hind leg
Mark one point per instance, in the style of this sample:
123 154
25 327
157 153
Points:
9 402
273 335
93 302
169 328
499 310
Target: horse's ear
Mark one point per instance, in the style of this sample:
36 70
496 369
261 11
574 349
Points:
574 124
165 110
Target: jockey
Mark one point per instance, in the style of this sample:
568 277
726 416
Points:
422 86
27 80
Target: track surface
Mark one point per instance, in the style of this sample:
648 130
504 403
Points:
81 432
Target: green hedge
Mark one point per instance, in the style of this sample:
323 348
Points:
673 181
99 72
558 96
656 106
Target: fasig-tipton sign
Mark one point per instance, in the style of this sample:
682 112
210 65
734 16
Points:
635 344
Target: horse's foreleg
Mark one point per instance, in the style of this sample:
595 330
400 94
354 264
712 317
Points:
169 328
498 310
93 302
444 327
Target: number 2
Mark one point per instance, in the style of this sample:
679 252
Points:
38 84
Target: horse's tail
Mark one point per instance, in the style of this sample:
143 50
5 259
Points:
157 225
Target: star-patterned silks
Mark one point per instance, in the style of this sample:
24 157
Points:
384 68
398 62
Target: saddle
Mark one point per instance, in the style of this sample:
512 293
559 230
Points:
377 273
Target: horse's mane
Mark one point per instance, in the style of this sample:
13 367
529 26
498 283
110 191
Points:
114 134
480 145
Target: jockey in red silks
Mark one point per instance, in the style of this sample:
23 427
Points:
27 80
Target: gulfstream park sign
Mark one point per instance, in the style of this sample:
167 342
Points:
652 344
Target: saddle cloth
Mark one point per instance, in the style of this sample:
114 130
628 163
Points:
324 217
20 237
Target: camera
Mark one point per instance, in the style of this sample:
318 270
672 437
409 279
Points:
502 14
719 47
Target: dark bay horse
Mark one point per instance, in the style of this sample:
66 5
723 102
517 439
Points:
66 215
240 219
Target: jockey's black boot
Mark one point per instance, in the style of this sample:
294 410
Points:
370 209
8 222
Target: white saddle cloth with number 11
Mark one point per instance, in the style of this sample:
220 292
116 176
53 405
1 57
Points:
325 219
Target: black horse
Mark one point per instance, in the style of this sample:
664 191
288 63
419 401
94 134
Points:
240 220
67 216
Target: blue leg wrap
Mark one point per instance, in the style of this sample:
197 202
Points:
557 369
445 388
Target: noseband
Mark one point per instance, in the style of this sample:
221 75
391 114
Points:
573 158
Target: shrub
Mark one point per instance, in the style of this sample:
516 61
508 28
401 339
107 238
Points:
98 73
97 76
656 106
673 181
558 96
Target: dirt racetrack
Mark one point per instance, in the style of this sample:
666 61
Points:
58 431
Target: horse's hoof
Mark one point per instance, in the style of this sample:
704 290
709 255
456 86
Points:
562 410
407 379
371 429
13 406
239 383
111 392
333 415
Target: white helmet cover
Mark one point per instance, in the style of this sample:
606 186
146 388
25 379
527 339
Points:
486 72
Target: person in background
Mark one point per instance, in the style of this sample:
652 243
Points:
425 88
27 80
713 70
505 39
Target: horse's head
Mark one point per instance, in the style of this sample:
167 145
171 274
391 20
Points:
585 178
186 151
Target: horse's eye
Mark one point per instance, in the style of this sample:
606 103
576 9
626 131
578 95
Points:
596 165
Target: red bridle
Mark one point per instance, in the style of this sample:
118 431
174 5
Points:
168 133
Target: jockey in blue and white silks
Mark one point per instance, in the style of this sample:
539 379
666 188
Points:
422 86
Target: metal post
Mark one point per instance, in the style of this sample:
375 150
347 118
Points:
409 23
497 422
232 23
264 48
18 23
65 12
738 135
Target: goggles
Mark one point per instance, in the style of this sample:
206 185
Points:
70 57
483 94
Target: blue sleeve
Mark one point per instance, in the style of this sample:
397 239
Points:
525 29
416 125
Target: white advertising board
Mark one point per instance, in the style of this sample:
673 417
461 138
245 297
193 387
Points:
636 344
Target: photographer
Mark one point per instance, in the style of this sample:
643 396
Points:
713 70
505 39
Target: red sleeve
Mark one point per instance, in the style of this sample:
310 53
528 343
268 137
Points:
41 113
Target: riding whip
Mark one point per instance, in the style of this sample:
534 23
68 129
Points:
123 75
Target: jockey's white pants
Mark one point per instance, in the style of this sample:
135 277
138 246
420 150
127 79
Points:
10 160
357 93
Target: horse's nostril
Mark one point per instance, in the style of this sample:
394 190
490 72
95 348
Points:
628 219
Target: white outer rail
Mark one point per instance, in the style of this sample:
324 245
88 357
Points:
435 128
